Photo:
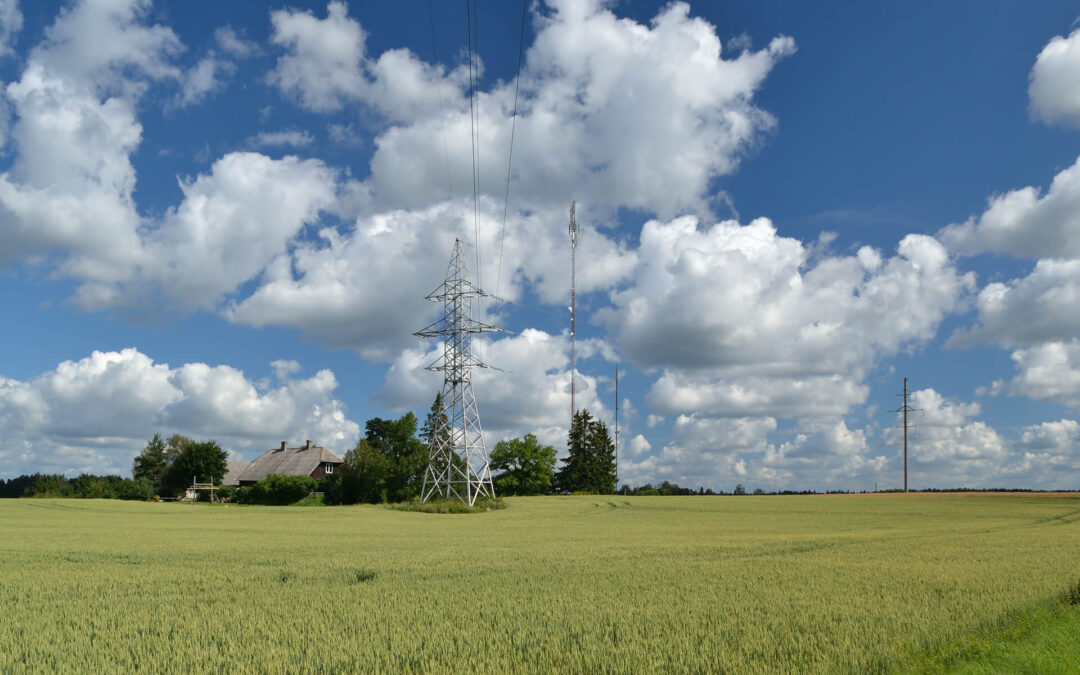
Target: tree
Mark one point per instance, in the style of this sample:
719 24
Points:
590 464
203 461
739 489
527 467
407 455
151 463
175 446
361 477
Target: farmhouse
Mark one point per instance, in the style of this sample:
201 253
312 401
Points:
308 460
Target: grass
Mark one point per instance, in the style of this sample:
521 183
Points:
574 584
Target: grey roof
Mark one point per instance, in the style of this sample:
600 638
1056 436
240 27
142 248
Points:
235 468
288 462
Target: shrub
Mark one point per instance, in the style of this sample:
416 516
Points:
278 490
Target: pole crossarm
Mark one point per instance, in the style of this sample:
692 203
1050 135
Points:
458 465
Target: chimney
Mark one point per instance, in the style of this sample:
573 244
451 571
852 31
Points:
308 446
284 446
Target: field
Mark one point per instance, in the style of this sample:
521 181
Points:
578 584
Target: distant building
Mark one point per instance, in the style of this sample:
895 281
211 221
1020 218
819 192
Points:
308 460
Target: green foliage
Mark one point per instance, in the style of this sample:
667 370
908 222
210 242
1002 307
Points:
50 485
406 455
151 464
204 462
815 584
590 464
139 489
525 466
278 490
450 506
739 489
361 478
362 575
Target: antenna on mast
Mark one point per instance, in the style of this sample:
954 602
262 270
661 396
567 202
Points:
616 425
573 308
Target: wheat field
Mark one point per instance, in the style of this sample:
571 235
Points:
570 584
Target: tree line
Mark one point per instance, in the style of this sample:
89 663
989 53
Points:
386 465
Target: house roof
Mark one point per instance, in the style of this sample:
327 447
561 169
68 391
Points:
235 468
288 462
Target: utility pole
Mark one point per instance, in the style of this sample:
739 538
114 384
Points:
573 309
905 408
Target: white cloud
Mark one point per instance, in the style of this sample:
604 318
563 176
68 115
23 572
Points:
11 21
1041 307
103 41
230 225
324 66
203 79
95 414
1052 89
947 448
1049 371
71 181
1025 223
760 331
643 116
702 452
295 138
230 42
325 288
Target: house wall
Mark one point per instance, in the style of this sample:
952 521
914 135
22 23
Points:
320 471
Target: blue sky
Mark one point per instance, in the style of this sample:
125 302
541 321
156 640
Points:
220 219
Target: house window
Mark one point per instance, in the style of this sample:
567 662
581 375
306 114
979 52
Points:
329 468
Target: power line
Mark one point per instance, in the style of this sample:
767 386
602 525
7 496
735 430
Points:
513 128
442 107
474 123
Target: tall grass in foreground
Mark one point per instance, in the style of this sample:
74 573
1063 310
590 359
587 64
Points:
578 584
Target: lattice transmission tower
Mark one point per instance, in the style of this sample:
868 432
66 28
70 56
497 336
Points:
458 467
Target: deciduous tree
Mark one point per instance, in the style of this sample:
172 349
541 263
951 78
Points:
526 466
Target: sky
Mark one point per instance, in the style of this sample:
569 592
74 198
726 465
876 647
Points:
221 220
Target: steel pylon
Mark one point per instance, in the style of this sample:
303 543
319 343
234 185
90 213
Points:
458 467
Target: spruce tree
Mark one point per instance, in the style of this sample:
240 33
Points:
151 463
590 464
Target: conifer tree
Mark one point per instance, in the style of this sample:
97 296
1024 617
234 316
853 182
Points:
590 464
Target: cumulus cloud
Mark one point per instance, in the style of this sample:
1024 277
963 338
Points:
1052 89
96 413
1025 223
230 225
702 451
326 290
324 65
104 42
947 447
644 116
1041 307
70 185
11 21
762 329
1049 371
